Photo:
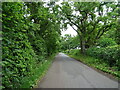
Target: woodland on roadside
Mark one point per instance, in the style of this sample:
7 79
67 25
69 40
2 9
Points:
31 37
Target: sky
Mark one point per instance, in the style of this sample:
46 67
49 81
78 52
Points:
70 30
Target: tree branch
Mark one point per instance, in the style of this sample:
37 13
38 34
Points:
104 29
94 26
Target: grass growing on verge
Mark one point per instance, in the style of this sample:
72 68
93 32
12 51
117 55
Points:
96 63
39 72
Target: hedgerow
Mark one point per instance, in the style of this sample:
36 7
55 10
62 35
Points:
25 46
109 54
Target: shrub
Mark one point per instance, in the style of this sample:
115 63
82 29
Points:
104 42
73 52
109 54
18 59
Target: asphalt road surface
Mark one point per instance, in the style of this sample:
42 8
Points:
66 72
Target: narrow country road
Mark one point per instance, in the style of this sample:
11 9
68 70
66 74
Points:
66 72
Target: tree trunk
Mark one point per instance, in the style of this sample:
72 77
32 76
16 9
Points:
82 45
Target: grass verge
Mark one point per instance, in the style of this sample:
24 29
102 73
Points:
95 63
39 72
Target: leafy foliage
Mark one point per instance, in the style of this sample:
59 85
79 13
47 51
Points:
117 33
89 19
68 42
28 39
109 54
31 34
104 42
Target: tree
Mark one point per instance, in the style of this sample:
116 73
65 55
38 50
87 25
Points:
48 27
92 19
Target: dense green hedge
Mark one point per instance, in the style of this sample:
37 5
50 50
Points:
109 54
18 60
25 45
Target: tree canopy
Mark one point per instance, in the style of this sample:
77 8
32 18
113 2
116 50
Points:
89 20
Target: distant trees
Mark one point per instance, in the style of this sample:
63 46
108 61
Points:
68 42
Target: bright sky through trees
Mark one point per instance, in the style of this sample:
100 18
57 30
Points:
69 31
